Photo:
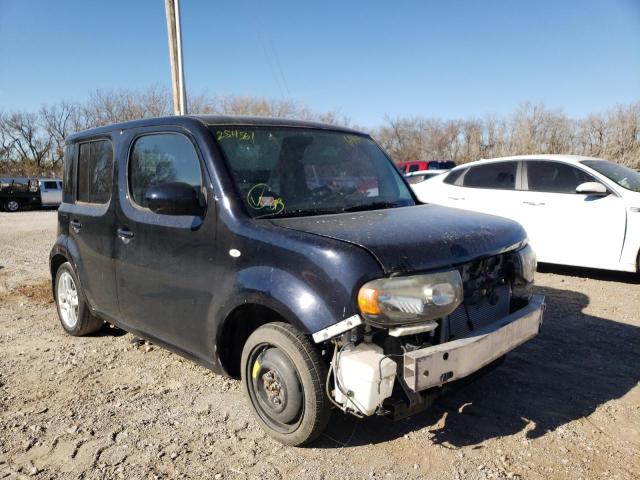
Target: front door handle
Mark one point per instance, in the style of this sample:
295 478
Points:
456 198
534 204
75 225
125 235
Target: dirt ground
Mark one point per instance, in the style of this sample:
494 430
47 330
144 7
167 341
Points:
565 405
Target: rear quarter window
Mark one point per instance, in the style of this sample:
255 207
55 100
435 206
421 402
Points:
453 178
68 181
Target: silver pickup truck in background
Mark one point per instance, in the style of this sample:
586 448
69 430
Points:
18 193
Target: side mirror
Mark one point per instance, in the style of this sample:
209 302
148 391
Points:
176 198
592 188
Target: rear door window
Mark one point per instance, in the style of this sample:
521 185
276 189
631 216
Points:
554 177
51 185
498 176
95 172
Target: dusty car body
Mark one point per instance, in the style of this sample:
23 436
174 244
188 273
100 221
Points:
259 248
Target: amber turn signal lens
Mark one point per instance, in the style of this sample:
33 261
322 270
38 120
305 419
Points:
368 301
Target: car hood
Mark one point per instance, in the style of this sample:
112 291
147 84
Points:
416 238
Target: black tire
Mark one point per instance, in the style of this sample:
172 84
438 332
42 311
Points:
300 373
12 205
85 323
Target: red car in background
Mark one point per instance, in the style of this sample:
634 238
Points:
415 165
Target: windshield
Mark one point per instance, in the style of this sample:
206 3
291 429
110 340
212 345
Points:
623 176
282 172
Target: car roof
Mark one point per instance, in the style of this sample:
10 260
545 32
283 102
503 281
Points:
572 159
210 120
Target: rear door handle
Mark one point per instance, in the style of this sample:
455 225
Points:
534 204
456 198
75 225
125 235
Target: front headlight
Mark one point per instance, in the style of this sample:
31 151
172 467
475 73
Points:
525 264
409 300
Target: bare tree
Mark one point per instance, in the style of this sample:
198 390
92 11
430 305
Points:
26 141
34 142
59 121
112 106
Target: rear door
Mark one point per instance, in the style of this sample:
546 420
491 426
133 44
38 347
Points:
487 188
570 228
164 262
91 222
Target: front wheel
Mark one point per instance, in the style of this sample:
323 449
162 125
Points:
283 375
73 311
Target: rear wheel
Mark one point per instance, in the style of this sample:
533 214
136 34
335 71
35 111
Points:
283 376
73 311
12 205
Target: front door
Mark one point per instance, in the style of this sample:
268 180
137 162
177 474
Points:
570 228
50 192
164 262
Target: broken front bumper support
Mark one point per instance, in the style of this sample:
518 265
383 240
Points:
434 366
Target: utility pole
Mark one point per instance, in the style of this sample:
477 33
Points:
172 9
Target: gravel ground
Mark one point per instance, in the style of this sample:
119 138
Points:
565 405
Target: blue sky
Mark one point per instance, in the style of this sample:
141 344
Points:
365 59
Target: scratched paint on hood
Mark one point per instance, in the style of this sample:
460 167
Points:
416 238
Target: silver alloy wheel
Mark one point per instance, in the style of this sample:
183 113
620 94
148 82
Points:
13 206
67 300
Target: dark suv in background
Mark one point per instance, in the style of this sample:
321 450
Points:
292 255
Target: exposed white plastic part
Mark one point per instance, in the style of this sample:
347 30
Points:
402 331
365 376
337 328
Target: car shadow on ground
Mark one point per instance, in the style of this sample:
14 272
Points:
593 273
577 363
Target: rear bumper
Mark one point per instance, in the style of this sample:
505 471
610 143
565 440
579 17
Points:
434 366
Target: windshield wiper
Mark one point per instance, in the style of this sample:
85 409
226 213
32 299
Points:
298 213
330 211
372 206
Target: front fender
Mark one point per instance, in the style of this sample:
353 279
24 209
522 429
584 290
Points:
297 301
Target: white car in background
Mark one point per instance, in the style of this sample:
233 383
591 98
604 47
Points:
577 211
420 176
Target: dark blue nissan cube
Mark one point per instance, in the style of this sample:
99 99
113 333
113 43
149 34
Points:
292 255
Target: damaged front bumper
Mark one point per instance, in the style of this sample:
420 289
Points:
439 364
